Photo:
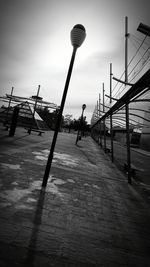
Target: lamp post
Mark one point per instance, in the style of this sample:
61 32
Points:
77 35
81 120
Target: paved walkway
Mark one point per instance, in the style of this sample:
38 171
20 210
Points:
141 151
88 215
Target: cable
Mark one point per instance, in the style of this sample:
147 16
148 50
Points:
141 44
137 50
136 38
138 63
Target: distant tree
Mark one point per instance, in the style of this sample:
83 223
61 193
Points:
82 125
67 119
75 124
67 122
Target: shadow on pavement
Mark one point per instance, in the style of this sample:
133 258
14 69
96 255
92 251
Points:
29 261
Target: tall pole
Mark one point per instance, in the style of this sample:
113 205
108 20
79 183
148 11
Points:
36 101
14 121
78 35
100 141
29 131
97 109
127 105
111 124
97 118
111 83
80 124
103 98
126 49
50 157
104 119
99 105
12 89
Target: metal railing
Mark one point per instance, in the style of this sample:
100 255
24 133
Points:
124 124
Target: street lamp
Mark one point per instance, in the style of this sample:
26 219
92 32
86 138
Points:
77 35
81 120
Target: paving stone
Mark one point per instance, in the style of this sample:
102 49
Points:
87 216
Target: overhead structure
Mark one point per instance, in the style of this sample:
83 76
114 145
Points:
30 100
25 117
30 111
145 29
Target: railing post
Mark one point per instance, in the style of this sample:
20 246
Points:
11 94
14 121
104 136
128 144
111 134
111 124
127 104
100 134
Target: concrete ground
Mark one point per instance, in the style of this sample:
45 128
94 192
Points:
87 216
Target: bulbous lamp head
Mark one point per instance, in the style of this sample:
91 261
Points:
83 106
77 35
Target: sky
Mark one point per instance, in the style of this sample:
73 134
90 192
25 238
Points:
35 47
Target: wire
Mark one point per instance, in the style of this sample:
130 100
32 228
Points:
117 84
138 64
137 50
138 40
141 44
138 72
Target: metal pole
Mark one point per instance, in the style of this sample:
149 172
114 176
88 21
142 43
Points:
99 105
12 89
29 131
103 98
104 135
127 105
36 101
104 119
111 124
14 121
128 144
97 110
111 83
100 134
100 141
79 128
50 157
112 145
126 49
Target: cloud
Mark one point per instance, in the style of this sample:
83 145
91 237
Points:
35 46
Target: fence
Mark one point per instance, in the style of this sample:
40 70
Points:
124 130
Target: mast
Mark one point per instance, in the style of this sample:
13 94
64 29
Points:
127 104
